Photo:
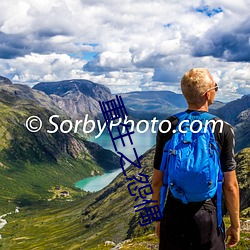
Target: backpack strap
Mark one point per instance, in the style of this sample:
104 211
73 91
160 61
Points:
164 188
164 163
219 200
209 116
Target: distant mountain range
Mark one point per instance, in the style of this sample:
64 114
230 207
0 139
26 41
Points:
76 98
157 103
149 104
80 97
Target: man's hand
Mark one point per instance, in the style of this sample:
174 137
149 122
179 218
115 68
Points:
233 236
156 185
157 228
232 200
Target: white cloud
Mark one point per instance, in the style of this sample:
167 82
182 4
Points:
140 44
34 68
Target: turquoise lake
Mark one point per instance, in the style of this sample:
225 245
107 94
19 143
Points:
141 142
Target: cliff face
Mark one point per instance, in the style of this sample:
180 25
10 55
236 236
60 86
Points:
242 130
237 114
76 97
232 110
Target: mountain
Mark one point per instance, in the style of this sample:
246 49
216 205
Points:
106 215
232 110
149 104
4 80
76 97
31 164
159 104
216 105
237 114
80 97
242 130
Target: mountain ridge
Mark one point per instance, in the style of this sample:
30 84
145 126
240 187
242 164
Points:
58 159
76 97
4 80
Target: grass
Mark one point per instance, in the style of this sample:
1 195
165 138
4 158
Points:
150 241
51 225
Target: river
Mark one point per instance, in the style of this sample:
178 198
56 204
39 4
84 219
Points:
141 142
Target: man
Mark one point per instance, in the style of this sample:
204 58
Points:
194 225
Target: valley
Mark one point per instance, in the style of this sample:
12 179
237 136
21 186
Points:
38 171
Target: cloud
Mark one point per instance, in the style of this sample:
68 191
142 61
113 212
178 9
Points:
139 45
230 45
34 68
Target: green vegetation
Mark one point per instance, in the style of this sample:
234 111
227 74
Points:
38 172
49 225
32 163
58 225
243 175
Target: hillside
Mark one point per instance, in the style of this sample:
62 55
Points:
232 110
243 175
88 222
32 163
36 168
242 130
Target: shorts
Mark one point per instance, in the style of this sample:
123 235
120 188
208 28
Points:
190 227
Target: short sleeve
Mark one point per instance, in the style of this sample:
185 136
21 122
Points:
226 140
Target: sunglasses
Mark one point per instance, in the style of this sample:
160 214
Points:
216 87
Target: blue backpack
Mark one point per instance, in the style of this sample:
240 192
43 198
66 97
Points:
191 162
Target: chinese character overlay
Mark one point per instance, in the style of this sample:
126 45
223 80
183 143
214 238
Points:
113 110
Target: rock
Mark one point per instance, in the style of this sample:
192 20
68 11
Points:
77 97
109 243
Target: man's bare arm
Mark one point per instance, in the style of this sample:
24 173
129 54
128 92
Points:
156 185
232 200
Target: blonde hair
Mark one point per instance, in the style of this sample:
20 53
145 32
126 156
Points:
195 83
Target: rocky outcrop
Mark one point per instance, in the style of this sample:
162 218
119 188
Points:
4 80
76 97
232 110
242 130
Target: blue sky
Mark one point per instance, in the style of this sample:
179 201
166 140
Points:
126 45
